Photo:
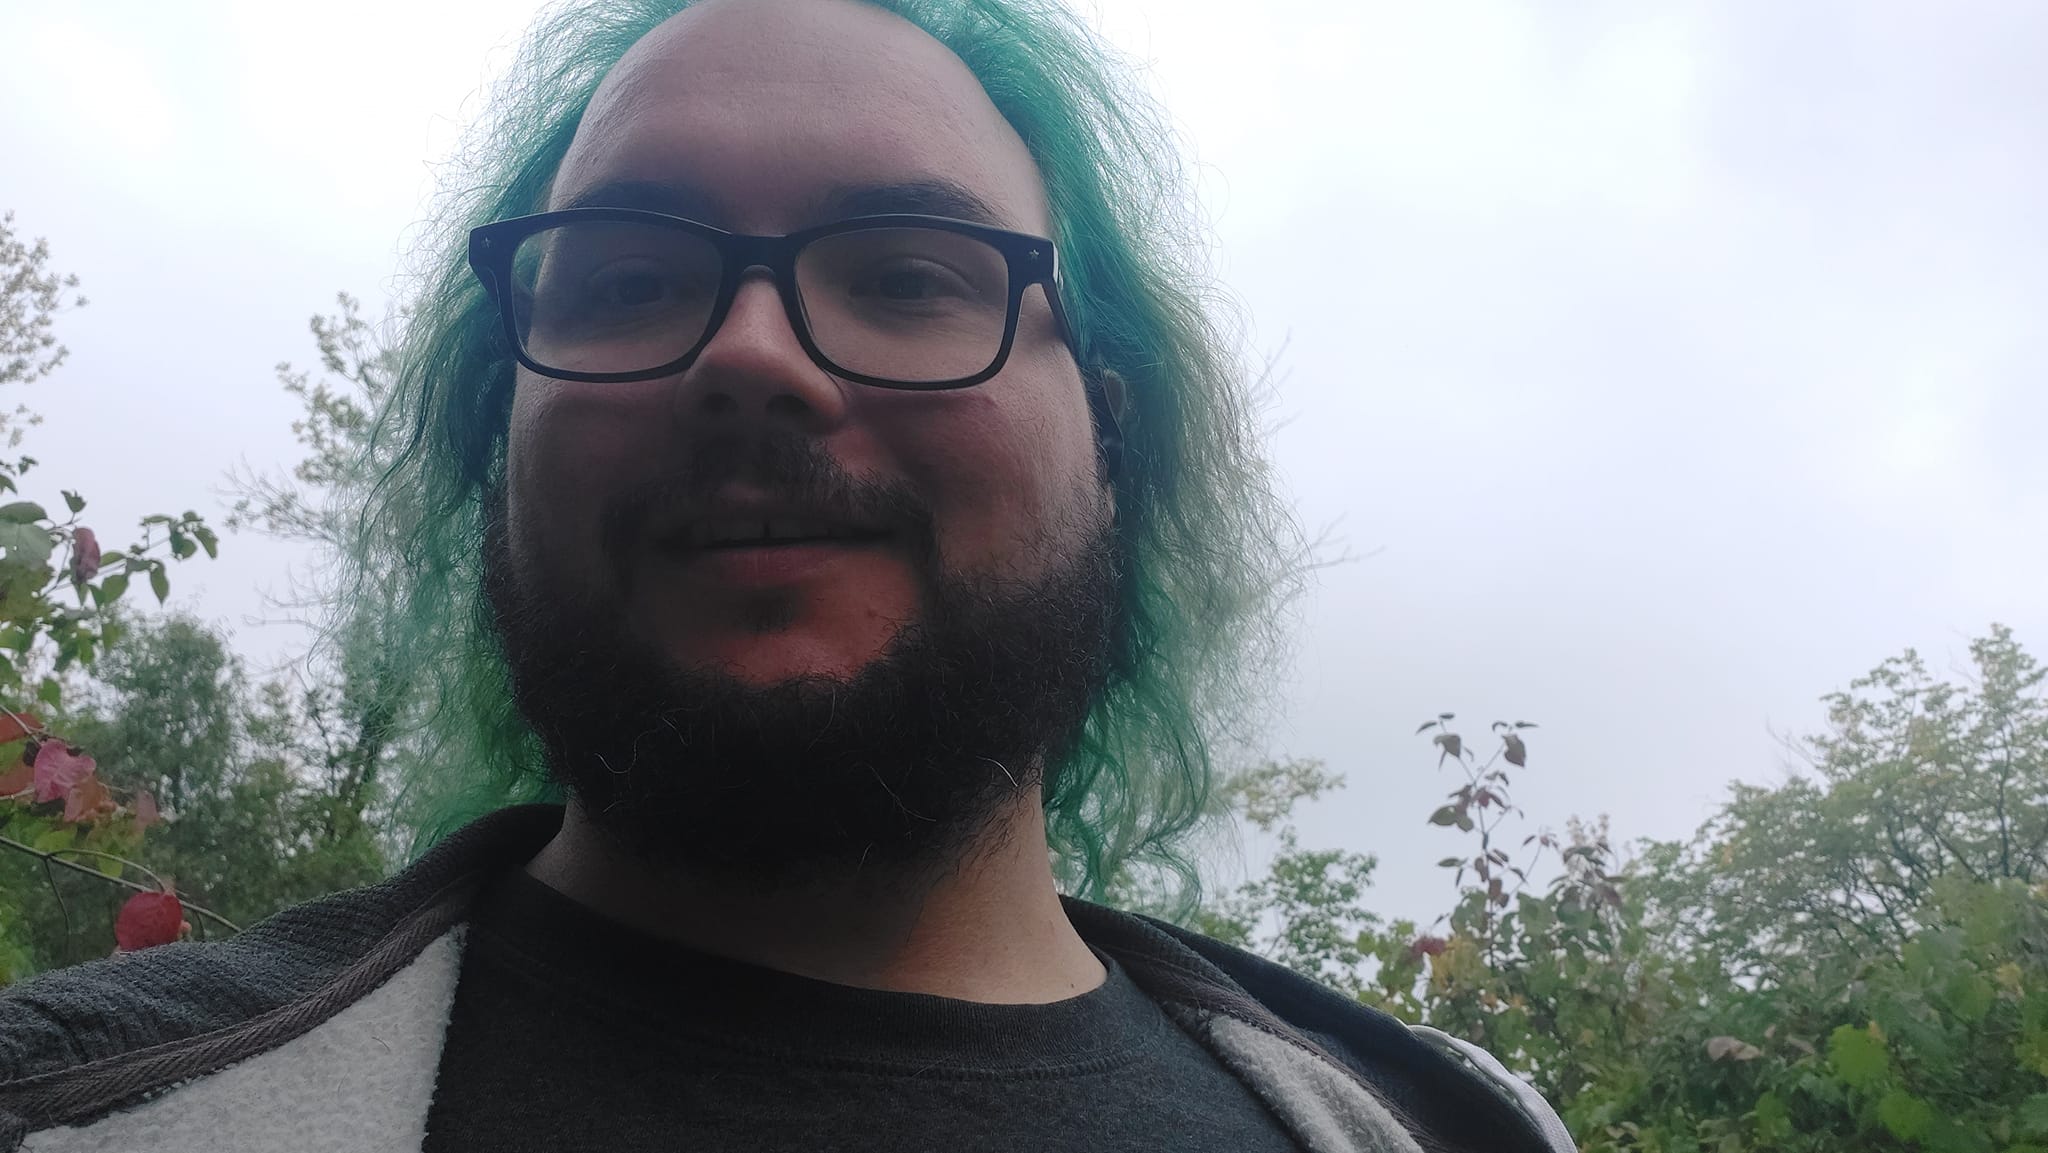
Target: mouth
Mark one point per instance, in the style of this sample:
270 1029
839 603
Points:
727 533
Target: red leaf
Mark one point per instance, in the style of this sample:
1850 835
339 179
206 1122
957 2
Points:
85 555
59 769
1427 946
146 813
148 919
16 779
87 799
14 726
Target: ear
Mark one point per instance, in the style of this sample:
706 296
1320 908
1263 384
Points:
1108 398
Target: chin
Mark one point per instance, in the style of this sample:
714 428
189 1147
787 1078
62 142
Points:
758 666
767 640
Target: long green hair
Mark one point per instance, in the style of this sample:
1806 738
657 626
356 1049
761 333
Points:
1208 551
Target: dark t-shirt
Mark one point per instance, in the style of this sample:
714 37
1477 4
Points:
570 1031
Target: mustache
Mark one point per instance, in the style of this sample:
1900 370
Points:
787 466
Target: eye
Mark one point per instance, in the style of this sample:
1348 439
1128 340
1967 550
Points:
908 280
629 284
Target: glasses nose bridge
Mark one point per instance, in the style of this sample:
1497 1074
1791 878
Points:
744 255
775 255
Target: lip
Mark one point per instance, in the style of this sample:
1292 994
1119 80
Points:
767 565
713 540
713 523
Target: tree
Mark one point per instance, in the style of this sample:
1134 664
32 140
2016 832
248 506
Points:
1307 910
354 710
55 807
1854 959
270 794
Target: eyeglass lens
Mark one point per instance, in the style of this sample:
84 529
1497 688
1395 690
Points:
908 304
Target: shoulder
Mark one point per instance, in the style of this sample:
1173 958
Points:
1454 1089
131 1001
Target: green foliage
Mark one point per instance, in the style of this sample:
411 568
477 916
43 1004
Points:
1307 911
260 809
340 409
1854 959
271 794
50 817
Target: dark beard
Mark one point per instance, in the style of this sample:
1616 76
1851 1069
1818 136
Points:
908 763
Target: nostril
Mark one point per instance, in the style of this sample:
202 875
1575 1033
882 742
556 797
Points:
783 404
717 404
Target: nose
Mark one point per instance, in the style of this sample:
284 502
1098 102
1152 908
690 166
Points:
755 368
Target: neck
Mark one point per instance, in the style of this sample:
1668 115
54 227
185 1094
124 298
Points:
991 930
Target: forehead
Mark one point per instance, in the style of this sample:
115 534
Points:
763 115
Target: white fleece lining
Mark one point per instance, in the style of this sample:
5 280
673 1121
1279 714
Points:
359 1082
1325 1109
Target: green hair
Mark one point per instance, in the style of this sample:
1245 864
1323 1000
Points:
1208 551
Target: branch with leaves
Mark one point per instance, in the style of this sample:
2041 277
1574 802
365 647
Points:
53 804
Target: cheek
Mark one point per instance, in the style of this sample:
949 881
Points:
563 455
1003 464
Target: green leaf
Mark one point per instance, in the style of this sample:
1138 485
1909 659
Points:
207 541
1946 1135
159 583
108 865
1968 995
1905 1115
50 692
110 589
181 545
1450 862
2033 1115
1448 815
54 839
26 544
1858 1057
1773 1117
23 827
73 501
22 512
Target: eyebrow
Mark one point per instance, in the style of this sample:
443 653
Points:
933 197
647 196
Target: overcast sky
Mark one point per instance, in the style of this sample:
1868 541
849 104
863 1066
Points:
1664 366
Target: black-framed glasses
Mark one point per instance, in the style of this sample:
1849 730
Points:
897 301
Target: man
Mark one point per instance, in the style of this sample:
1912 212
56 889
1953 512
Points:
826 454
